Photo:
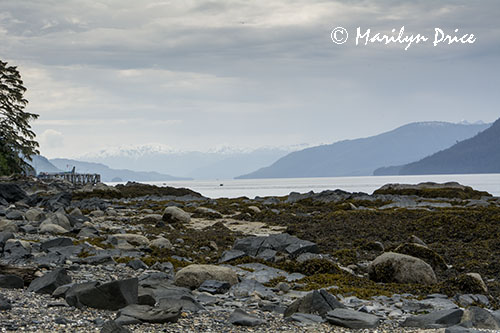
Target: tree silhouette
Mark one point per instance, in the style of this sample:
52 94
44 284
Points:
17 142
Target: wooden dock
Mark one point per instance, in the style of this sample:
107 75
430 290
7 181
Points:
72 177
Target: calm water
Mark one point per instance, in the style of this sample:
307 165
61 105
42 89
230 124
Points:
283 186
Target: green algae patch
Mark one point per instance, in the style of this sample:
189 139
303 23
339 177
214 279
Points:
151 260
350 285
96 241
346 256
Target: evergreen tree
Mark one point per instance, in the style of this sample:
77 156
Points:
17 142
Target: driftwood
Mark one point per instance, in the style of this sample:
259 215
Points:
25 273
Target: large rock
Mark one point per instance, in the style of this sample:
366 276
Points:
175 215
35 215
11 282
424 253
231 255
479 318
193 276
352 319
50 228
150 314
401 268
15 250
285 243
318 302
57 201
112 327
136 240
56 242
11 192
250 287
50 281
479 281
438 319
108 296
14 214
59 219
241 318
8 226
4 237
161 243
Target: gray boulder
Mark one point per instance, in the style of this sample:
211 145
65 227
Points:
352 319
318 302
438 319
137 264
231 255
112 327
50 281
249 287
58 219
11 282
4 237
193 276
150 314
15 215
108 296
35 215
306 318
11 192
175 215
401 268
284 243
461 329
241 318
56 242
479 318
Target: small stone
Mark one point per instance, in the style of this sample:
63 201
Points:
4 303
112 327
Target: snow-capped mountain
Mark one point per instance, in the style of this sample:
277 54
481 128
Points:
219 162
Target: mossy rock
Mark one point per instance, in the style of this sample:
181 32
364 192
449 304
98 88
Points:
424 253
462 284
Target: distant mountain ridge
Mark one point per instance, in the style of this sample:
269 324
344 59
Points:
42 164
222 162
108 174
360 157
479 154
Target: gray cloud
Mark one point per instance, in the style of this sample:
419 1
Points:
197 74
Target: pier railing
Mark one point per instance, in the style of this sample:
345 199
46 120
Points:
74 178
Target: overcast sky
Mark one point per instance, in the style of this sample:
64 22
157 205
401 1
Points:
195 75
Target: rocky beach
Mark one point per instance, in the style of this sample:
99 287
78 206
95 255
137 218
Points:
140 258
